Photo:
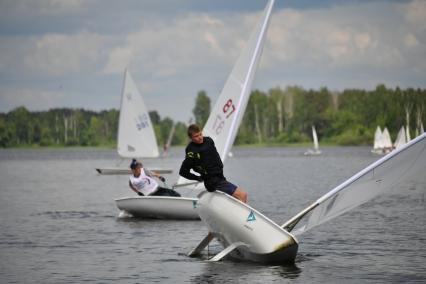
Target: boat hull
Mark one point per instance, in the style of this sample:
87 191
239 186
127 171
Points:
232 221
311 152
159 207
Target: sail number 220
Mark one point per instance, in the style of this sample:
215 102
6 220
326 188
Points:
228 109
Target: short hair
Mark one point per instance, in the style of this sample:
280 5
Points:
193 128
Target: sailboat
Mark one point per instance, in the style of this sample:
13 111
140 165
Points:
378 145
249 235
386 140
222 126
136 137
166 147
382 141
316 151
400 138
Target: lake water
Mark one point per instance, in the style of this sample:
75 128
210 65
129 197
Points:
59 222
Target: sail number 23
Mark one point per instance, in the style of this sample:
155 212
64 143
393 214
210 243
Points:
228 109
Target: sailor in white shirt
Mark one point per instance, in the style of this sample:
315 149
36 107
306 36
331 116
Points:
143 183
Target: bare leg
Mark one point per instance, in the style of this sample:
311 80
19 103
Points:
240 195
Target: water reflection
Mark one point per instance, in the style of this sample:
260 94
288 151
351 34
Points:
245 272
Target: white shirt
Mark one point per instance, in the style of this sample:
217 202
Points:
144 183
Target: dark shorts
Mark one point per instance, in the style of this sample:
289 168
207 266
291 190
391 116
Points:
162 191
221 184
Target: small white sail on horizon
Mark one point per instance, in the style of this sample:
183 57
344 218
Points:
377 139
166 147
382 141
400 138
316 151
387 142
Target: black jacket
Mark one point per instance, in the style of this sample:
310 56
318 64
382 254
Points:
203 159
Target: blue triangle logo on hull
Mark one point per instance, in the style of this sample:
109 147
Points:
251 217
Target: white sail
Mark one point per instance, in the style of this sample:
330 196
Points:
315 137
169 141
422 129
228 112
400 138
377 139
402 168
316 151
136 136
225 118
386 140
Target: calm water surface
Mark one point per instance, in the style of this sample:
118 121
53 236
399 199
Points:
59 222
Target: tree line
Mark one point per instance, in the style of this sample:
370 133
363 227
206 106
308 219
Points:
278 116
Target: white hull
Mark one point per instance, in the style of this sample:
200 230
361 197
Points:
159 207
381 151
311 152
232 221
126 171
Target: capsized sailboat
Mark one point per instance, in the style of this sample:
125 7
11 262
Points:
251 236
316 151
248 234
136 137
222 124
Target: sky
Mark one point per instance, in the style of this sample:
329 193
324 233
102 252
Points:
73 53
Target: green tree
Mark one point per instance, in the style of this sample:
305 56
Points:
201 110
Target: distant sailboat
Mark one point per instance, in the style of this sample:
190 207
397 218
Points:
378 144
316 151
382 141
136 137
400 139
387 142
166 147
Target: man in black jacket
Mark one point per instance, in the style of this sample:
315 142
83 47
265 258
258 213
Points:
202 157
